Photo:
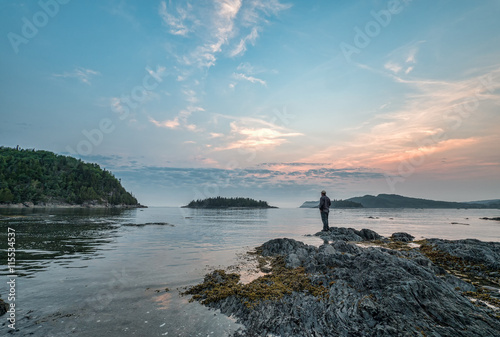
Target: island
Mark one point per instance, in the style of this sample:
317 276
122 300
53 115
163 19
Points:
335 204
220 202
35 178
399 201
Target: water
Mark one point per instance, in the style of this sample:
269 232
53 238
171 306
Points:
105 272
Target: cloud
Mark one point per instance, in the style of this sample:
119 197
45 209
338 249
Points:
434 117
251 79
217 25
180 121
175 22
169 124
254 133
248 178
252 15
411 58
242 46
404 57
394 67
81 74
408 70
221 31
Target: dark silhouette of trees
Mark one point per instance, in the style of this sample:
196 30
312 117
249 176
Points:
27 175
220 202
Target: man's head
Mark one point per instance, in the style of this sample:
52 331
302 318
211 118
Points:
323 192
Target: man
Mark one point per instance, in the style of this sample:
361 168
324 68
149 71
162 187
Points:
324 209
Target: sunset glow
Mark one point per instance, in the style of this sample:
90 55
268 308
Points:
272 99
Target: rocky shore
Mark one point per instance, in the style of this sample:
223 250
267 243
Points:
358 283
66 205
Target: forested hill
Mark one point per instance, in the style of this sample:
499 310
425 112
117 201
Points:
220 202
43 177
398 201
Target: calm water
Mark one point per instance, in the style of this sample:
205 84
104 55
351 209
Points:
104 273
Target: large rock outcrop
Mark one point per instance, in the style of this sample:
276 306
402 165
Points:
356 291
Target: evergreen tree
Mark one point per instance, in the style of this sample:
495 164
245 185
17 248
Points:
42 176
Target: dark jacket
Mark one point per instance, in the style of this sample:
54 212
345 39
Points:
324 204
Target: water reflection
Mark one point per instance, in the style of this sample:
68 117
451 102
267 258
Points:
55 236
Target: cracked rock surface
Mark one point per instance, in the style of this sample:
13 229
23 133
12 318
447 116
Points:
370 291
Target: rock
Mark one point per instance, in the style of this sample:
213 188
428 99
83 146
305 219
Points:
368 234
340 233
4 307
402 237
471 250
369 291
349 234
282 246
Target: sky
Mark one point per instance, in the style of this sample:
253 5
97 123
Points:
268 99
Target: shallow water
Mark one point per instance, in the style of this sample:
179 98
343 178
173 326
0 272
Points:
99 272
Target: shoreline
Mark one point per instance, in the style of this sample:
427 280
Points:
25 205
361 283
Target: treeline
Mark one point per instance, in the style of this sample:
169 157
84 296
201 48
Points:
345 204
27 175
220 202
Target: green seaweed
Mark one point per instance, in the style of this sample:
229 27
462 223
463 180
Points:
281 281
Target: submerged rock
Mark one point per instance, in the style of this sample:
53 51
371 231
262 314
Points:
341 289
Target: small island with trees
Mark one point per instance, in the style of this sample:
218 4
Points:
220 202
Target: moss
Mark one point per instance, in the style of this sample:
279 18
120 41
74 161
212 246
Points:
476 274
281 281
483 296
394 245
470 271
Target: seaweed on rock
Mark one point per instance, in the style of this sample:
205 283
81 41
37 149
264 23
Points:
342 289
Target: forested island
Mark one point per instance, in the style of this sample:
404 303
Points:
399 201
335 204
29 177
220 202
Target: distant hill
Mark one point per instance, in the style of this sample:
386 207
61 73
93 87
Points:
43 177
398 201
494 202
335 204
220 202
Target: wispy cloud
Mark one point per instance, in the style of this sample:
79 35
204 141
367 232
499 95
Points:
221 31
81 74
213 28
253 13
403 58
180 121
169 124
394 67
176 21
242 46
435 117
255 133
239 76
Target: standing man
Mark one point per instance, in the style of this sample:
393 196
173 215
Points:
324 209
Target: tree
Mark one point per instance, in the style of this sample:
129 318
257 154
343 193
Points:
35 176
6 195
